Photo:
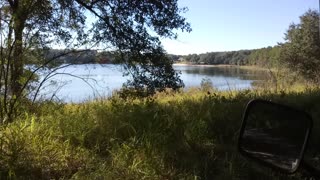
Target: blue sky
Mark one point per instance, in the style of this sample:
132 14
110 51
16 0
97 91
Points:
225 25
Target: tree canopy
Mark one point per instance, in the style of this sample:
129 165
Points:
122 25
132 29
301 50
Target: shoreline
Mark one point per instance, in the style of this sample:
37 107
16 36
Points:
222 65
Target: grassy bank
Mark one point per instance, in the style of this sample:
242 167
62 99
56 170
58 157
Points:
187 135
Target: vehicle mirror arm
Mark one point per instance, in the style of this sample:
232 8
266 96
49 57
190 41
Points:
310 169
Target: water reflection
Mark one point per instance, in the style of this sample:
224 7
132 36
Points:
104 79
223 71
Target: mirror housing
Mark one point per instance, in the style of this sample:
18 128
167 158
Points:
274 135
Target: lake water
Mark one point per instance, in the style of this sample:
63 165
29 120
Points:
102 80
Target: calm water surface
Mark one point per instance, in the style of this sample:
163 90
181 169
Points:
104 79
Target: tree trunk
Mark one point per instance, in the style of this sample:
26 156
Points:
16 65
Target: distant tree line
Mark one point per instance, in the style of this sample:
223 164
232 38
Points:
264 57
62 56
231 57
76 57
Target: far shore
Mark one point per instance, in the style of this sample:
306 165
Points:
222 65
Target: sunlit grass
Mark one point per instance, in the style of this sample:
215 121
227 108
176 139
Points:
172 135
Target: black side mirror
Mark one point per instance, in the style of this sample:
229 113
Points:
274 135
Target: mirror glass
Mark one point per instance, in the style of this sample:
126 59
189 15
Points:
274 134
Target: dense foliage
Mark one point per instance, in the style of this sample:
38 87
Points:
301 51
265 57
232 57
29 29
